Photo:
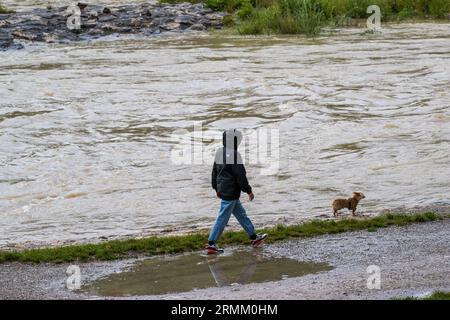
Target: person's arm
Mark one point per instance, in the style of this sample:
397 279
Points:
214 177
241 177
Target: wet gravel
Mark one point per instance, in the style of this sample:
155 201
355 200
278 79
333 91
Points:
29 281
414 259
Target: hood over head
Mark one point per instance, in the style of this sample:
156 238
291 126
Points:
231 139
229 154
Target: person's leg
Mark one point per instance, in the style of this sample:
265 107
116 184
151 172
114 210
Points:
246 223
226 208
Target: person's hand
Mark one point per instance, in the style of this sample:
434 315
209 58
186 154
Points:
251 196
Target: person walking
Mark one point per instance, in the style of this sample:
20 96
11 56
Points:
228 179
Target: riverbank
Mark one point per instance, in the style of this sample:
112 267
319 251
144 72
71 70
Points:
310 16
49 25
241 17
4 10
414 261
121 249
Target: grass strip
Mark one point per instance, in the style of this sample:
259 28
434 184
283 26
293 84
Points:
437 295
118 249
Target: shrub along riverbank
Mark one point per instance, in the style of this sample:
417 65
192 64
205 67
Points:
309 16
3 9
174 244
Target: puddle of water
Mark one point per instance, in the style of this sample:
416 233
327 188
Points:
194 271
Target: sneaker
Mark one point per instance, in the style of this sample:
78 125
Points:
213 249
259 240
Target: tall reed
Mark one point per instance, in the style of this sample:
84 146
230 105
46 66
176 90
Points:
285 17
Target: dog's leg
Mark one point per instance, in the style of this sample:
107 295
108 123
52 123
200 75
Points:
335 212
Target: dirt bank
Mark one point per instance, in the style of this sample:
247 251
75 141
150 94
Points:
414 260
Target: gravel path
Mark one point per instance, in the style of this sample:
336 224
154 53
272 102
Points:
414 259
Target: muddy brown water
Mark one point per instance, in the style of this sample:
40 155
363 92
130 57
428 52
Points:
195 271
86 129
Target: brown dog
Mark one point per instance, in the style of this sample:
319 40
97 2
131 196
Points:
350 203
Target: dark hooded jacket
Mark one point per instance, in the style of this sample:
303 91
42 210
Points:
229 177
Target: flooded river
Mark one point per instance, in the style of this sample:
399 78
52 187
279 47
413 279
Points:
86 129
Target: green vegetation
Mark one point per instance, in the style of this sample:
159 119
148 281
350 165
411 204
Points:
3 9
390 9
163 245
309 16
437 295
284 17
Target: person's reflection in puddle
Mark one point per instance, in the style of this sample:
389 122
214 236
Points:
216 267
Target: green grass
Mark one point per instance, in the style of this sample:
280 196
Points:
390 9
174 244
3 9
284 17
310 16
437 295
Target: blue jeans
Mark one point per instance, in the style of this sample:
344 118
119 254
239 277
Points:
228 207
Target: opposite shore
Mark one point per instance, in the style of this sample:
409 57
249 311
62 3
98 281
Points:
242 17
50 25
